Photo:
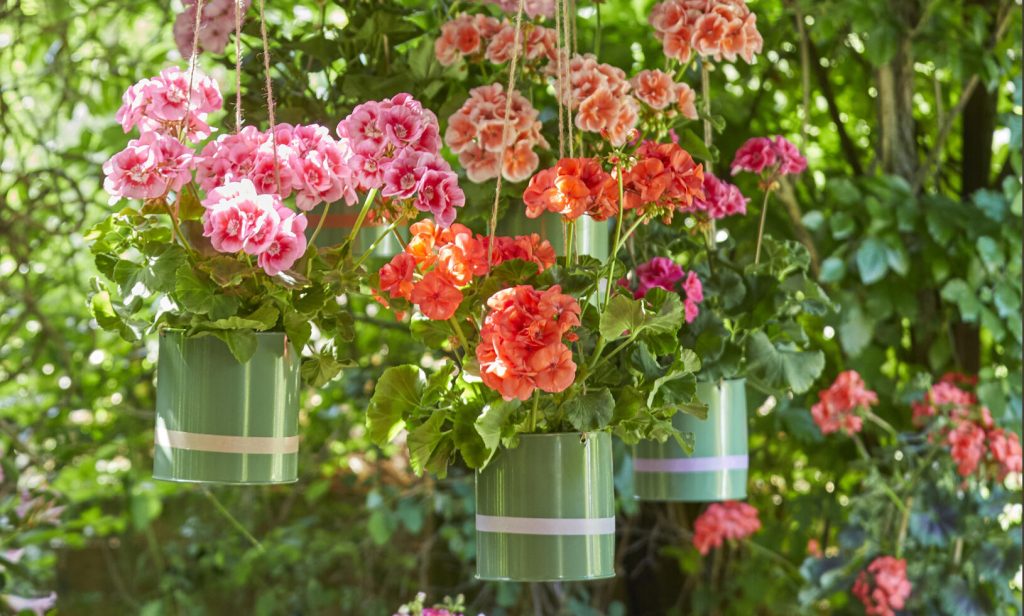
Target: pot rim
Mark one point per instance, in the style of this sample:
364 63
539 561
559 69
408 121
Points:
163 331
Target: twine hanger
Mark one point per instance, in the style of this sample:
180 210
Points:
192 61
270 92
513 64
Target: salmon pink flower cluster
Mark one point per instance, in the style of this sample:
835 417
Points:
476 133
482 36
664 179
777 155
656 89
216 23
968 429
720 199
711 28
600 94
523 341
883 587
162 104
437 262
307 161
395 146
572 188
837 405
239 219
733 520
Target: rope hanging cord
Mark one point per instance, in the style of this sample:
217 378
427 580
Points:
516 43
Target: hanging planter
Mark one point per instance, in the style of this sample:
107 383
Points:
592 238
717 469
545 511
222 421
337 227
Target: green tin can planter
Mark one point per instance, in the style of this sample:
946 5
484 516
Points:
545 511
219 421
337 228
717 469
592 238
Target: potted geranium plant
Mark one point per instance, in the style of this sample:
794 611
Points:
211 258
545 363
749 328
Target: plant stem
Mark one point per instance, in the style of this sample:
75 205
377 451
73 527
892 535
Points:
604 359
570 241
533 412
885 425
367 204
760 228
320 224
597 31
176 230
232 520
460 334
775 556
376 242
705 92
618 235
903 526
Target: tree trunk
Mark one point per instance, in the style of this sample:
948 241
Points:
898 147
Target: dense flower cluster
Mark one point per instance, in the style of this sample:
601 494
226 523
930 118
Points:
600 94
720 521
307 161
665 178
162 104
711 28
395 146
656 89
437 262
239 219
777 155
476 133
481 36
837 405
523 341
148 168
720 199
664 273
883 587
968 429
572 188
216 23
532 8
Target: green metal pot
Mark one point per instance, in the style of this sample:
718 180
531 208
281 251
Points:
545 511
717 469
592 238
338 226
219 421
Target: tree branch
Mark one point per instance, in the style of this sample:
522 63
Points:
850 150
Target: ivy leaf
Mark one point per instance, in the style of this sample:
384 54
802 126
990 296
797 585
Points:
261 319
298 328
590 411
668 315
491 423
622 315
320 369
693 144
111 319
796 369
872 260
423 442
855 331
242 343
396 395
165 267
199 296
467 439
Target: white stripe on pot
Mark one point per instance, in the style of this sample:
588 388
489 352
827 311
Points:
545 526
219 443
690 465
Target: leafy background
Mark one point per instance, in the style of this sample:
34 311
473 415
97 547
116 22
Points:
910 114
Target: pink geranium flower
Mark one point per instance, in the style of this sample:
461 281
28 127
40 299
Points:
287 244
778 156
883 587
837 405
720 198
149 167
731 520
238 218
660 272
